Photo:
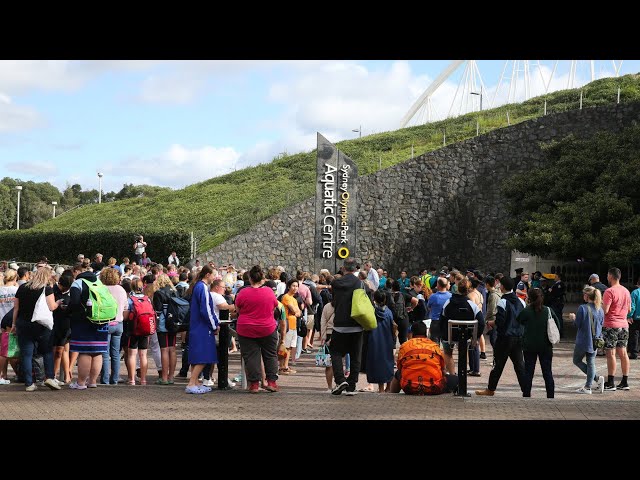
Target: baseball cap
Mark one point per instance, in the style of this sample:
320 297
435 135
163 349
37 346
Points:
13 266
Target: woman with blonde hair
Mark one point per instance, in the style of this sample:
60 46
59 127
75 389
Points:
166 339
32 335
589 318
7 294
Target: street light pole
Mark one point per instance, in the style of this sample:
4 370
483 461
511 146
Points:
100 188
54 208
480 94
359 131
19 188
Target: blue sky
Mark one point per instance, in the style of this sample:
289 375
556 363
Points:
173 123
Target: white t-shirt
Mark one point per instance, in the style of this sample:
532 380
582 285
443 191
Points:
140 248
7 294
217 300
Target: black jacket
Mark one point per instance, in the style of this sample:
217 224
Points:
459 307
342 290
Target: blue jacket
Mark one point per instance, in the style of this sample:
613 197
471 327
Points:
635 304
202 307
508 309
584 337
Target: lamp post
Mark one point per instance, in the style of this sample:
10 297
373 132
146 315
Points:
358 131
19 188
100 187
54 208
476 93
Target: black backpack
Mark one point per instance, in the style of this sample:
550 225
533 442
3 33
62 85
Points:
178 313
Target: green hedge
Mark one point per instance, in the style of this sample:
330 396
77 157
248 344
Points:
64 247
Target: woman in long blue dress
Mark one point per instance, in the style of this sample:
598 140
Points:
203 327
381 343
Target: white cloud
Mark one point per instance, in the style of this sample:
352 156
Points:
177 167
178 88
14 118
337 97
37 169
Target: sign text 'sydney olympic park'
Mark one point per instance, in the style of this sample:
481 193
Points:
336 206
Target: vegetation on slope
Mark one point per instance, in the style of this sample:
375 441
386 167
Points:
224 206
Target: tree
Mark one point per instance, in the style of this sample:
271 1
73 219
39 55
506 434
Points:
7 209
138 191
585 202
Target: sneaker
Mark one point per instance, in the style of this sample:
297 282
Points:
52 383
4 381
231 383
600 384
271 386
351 393
486 392
254 387
622 386
40 383
584 390
483 355
338 389
60 382
31 388
208 383
609 388
474 374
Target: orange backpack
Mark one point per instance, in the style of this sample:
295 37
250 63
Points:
421 363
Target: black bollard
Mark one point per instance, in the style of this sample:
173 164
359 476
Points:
223 355
462 362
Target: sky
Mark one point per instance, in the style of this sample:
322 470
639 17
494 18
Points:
174 123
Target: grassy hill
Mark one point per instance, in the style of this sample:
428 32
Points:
224 206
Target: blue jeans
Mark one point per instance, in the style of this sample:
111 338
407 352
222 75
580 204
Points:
33 337
115 335
589 368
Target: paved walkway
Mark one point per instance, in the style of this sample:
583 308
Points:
305 393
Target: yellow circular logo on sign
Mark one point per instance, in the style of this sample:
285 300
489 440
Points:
343 252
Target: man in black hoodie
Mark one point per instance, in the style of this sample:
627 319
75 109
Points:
347 333
509 339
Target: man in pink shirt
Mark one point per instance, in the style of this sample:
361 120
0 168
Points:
616 303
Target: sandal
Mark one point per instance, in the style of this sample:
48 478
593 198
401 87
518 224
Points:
195 389
170 382
143 382
92 385
368 388
161 382
131 382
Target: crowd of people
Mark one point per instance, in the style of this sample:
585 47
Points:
276 317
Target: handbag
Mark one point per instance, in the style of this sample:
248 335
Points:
598 342
41 312
13 350
323 358
552 329
362 310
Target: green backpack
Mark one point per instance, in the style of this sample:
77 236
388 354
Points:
103 305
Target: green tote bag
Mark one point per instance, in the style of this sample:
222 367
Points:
362 310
